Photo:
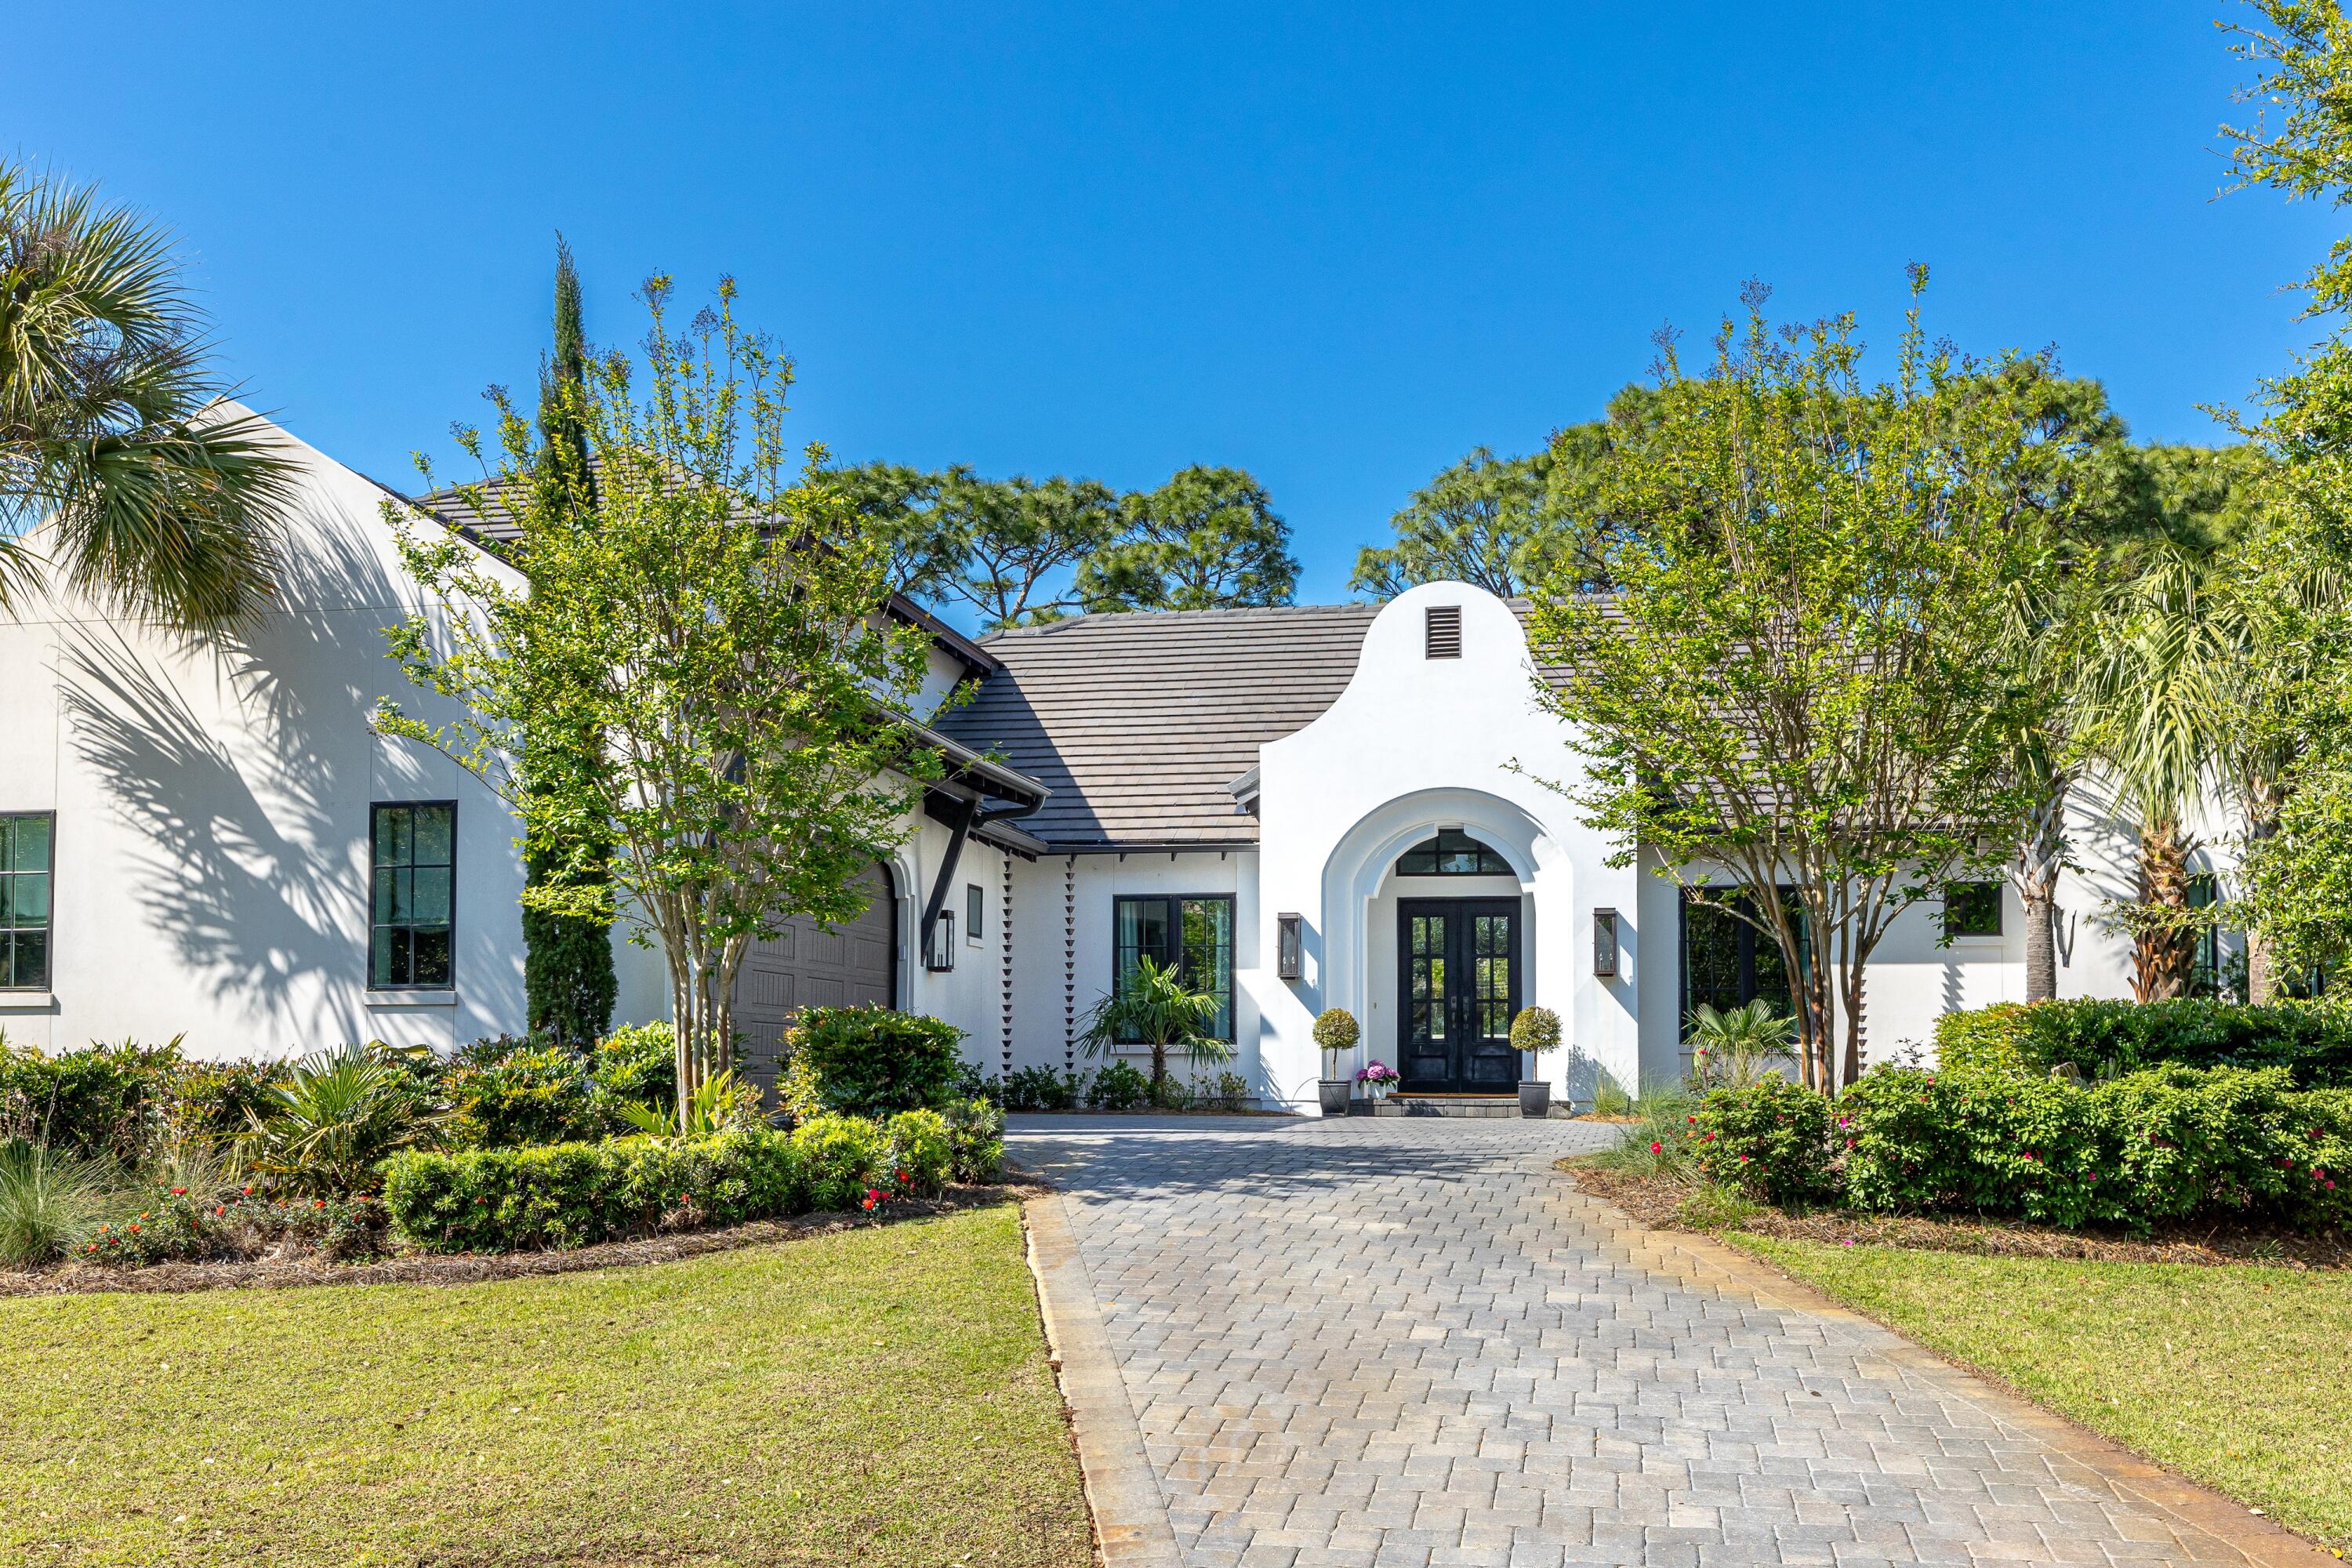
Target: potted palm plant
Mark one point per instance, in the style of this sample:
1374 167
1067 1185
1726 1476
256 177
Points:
1336 1033
1535 1031
1155 1009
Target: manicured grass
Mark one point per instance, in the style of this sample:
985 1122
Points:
872 1396
2239 1377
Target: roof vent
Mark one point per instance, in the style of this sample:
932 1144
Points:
1442 631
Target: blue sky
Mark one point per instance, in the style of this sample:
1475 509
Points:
1337 245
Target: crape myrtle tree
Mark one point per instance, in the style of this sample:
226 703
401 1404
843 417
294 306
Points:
704 640
569 986
1789 677
118 470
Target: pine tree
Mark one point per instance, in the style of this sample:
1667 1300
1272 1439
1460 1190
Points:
569 986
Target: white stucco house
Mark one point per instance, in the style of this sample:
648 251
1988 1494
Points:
1306 806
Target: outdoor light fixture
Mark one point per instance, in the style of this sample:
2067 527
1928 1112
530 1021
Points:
1286 944
941 955
1604 944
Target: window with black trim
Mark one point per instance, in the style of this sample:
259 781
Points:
1193 932
414 866
974 904
28 853
1972 909
2205 978
1727 963
1452 852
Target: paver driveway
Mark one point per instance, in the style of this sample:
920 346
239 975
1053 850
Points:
1375 1341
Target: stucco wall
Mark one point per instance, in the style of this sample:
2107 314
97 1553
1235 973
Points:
1414 744
212 801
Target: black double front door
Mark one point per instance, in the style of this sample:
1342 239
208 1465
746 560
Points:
1458 989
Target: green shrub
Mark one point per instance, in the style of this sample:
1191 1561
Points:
2313 1041
1770 1140
841 1159
100 1102
871 1061
338 1113
639 1064
574 1194
2170 1143
976 1128
1118 1087
507 1092
921 1152
215 1103
1043 1088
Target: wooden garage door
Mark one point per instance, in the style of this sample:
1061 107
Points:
804 966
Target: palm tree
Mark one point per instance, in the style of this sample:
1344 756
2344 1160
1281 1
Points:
1155 1009
117 467
2153 710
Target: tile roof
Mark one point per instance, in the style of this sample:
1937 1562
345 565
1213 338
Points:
1139 722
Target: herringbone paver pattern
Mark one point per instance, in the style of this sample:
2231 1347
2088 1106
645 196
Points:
1374 1342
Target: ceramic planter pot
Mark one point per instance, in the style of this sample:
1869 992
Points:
1535 1098
1335 1092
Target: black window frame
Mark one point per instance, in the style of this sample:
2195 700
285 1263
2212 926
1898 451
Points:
1750 942
1438 847
449 982
1991 892
2203 891
9 928
1173 921
975 912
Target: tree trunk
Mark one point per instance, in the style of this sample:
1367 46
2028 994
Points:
2262 972
2041 946
2164 956
2040 856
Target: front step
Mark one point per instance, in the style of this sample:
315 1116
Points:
1466 1105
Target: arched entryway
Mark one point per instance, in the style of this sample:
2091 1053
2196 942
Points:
1429 911
805 965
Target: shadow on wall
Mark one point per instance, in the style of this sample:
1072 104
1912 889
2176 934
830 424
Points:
243 860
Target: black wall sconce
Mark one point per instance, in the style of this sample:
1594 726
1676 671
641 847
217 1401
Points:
1604 944
941 955
1286 945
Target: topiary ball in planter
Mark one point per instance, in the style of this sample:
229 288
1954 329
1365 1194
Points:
1336 1031
1535 1031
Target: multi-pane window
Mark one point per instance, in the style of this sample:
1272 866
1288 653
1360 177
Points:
1194 932
2205 979
1726 962
1452 852
27 840
1972 909
414 852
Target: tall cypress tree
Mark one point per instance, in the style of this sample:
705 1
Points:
569 986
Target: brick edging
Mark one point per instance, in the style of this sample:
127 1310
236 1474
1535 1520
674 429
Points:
1130 1514
2194 1507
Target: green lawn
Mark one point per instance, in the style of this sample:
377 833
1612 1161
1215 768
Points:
872 1396
2239 1377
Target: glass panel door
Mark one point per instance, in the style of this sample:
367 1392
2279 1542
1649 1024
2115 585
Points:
1428 1001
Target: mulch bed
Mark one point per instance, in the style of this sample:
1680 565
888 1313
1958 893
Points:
1657 1203
473 1268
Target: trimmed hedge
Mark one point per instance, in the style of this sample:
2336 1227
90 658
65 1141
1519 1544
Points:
2311 1040
2170 1144
871 1061
575 1195
1770 1140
